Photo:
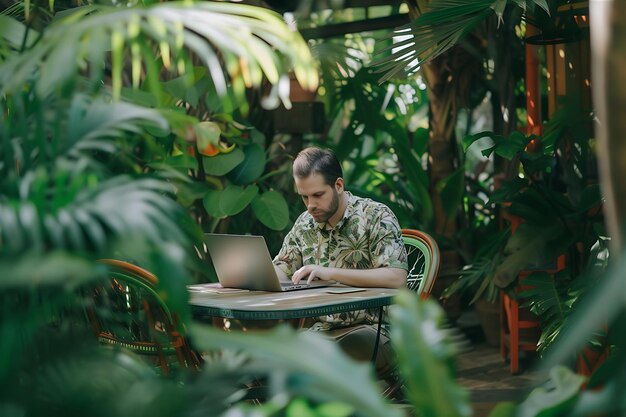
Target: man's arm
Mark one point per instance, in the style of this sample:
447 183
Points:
377 277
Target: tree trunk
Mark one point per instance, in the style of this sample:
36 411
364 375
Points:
449 79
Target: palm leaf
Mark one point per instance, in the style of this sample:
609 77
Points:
550 300
91 217
234 41
326 375
444 24
71 137
553 298
425 358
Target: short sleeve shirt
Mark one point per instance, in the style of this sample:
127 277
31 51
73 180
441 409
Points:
368 236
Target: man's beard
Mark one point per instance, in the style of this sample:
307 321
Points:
322 216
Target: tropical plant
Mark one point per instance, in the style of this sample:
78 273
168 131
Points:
52 230
383 153
439 25
554 204
213 164
87 126
602 306
374 128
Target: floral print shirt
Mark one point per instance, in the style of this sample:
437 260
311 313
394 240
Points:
367 237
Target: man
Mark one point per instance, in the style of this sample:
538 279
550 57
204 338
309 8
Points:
340 237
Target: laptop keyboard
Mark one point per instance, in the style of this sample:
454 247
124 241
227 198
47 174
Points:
292 285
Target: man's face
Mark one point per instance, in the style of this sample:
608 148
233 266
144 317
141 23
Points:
321 200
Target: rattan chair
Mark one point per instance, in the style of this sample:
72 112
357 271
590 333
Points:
126 311
423 262
423 257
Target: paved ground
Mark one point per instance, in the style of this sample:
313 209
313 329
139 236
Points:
487 377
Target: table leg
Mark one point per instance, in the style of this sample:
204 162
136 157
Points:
380 323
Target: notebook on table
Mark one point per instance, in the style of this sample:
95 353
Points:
244 261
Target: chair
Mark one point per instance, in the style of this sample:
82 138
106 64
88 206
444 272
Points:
127 311
519 328
423 259
423 262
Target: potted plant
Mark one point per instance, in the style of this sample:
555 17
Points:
552 206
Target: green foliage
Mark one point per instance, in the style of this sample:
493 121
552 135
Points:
271 209
88 33
551 302
552 205
84 176
553 298
477 277
452 191
426 359
325 375
245 47
371 132
251 168
229 201
222 163
95 152
556 400
444 24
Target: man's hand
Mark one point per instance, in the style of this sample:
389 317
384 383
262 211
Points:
311 272
377 277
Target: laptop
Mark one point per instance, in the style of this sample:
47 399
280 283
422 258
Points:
244 262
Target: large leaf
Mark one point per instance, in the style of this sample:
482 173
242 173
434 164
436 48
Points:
417 180
57 268
80 133
528 245
229 201
98 119
325 373
514 144
91 218
15 34
183 88
548 298
431 34
540 206
181 162
207 138
445 23
187 192
556 401
272 210
470 139
254 45
222 163
252 166
424 356
554 297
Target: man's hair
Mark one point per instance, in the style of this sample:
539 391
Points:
314 160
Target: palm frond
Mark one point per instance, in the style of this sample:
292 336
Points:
80 216
234 41
550 298
554 297
329 371
444 24
425 354
70 137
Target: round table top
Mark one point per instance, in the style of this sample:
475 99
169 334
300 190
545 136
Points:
210 300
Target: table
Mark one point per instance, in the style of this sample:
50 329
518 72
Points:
261 305
206 303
